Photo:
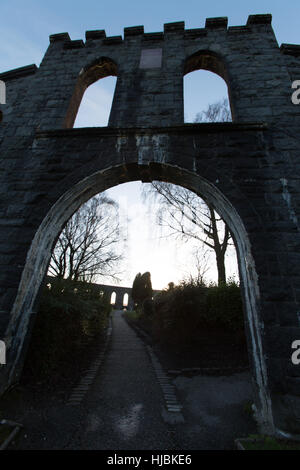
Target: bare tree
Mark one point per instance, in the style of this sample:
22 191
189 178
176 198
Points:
187 216
88 245
200 255
215 112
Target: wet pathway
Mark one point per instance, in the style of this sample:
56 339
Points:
123 407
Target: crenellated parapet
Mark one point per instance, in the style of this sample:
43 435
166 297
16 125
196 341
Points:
150 68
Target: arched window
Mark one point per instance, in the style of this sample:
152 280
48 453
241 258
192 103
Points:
125 300
96 104
98 98
113 298
206 89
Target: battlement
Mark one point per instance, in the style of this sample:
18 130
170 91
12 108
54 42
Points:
171 31
256 26
149 67
290 49
132 32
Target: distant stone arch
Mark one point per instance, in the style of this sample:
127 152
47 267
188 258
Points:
125 299
113 298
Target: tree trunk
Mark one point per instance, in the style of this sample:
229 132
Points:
219 248
220 257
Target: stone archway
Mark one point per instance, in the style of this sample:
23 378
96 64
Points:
48 231
247 170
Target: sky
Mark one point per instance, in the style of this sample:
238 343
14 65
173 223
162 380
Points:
25 28
166 257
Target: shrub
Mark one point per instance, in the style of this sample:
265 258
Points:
148 307
224 306
69 313
182 311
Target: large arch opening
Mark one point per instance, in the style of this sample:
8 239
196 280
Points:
48 232
206 85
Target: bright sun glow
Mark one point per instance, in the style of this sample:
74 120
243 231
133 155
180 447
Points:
167 259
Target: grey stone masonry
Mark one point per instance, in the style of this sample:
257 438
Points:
249 170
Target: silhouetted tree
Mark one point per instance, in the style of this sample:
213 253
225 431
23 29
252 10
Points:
215 112
88 245
141 288
187 215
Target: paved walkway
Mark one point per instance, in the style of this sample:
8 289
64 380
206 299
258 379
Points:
124 404
122 409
